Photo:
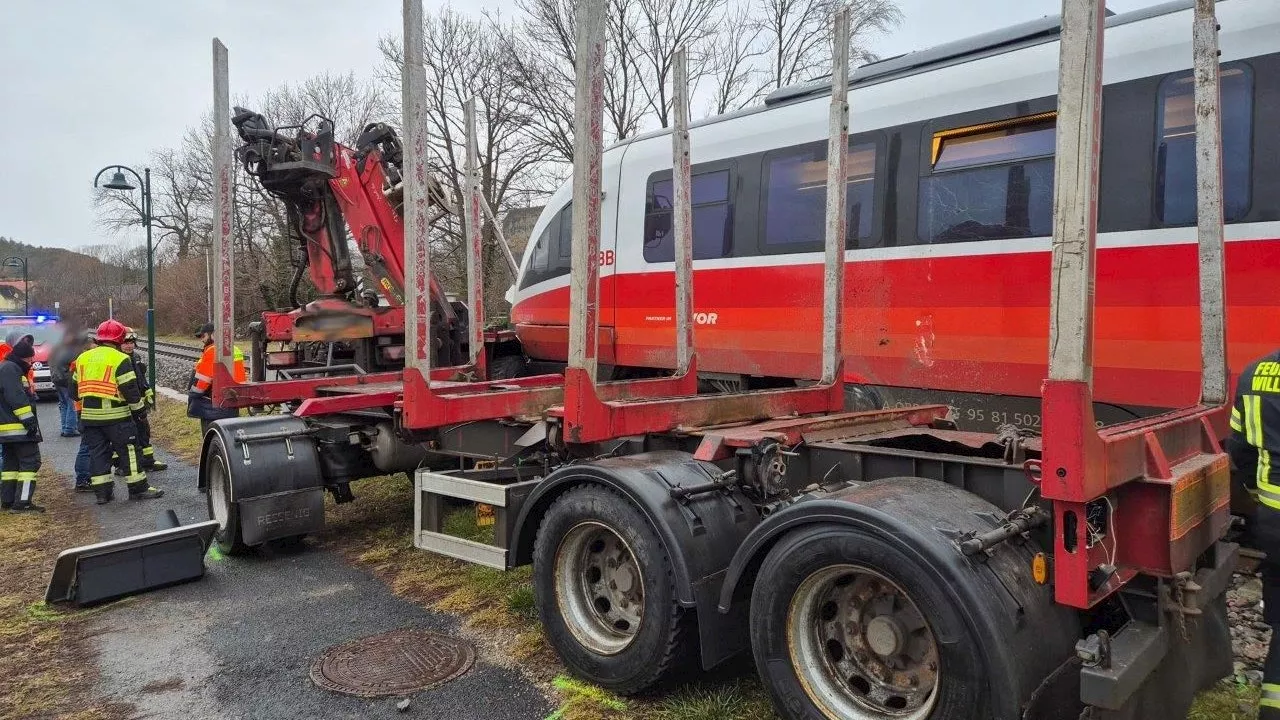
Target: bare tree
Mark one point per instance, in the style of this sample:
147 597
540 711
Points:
733 61
798 35
542 60
663 26
465 59
350 103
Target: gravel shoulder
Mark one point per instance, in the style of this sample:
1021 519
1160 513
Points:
239 643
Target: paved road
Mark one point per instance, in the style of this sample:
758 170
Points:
239 643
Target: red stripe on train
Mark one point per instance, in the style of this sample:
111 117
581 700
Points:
973 323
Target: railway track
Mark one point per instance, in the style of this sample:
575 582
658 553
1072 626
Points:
173 350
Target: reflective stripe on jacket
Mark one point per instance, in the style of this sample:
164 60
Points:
16 412
202 375
1255 429
106 386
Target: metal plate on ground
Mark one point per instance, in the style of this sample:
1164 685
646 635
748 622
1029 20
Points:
394 663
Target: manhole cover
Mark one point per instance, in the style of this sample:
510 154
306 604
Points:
394 663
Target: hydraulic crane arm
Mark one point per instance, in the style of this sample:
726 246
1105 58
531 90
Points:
296 169
324 183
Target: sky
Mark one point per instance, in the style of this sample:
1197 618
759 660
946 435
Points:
85 83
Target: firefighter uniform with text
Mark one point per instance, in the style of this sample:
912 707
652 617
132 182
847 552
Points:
110 399
1255 447
19 432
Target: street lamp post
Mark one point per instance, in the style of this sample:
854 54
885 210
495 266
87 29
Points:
120 182
21 262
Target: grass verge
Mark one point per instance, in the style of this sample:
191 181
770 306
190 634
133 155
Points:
179 340
497 609
1227 701
174 431
46 660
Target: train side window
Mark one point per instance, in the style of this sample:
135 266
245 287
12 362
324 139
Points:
712 216
546 261
565 219
796 195
990 181
1176 145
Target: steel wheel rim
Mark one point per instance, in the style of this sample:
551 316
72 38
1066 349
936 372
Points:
860 646
599 588
217 489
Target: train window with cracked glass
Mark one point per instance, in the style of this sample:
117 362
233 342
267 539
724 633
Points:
712 216
990 181
1175 191
795 203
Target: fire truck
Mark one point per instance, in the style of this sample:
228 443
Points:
877 563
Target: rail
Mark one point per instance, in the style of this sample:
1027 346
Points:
178 350
174 350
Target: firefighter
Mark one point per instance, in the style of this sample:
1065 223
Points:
148 460
1254 442
107 386
10 341
200 391
19 432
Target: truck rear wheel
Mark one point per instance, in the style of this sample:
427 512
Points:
603 583
845 625
218 483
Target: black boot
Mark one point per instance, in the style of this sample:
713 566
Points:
157 466
84 488
143 491
104 492
26 507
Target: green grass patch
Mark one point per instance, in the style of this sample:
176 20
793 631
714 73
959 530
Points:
737 699
179 340
1227 701
581 701
174 431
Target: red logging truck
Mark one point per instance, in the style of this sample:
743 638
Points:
878 564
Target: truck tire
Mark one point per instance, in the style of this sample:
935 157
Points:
218 496
605 593
846 625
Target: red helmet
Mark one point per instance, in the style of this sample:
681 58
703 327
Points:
111 331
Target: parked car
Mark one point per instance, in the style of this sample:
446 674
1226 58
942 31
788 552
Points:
47 332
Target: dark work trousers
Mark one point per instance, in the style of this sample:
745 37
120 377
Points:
119 438
82 458
1266 533
148 457
146 453
18 473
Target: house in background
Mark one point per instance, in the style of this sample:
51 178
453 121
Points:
11 297
517 226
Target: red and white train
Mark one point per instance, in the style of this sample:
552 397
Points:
950 204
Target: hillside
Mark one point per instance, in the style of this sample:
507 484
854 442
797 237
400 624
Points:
80 282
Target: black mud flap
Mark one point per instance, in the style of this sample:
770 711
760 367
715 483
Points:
281 515
113 569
